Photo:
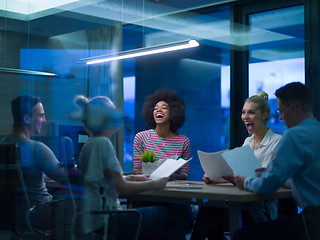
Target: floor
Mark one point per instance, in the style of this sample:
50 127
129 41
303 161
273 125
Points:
189 235
5 235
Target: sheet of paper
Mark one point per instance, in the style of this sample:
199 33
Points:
242 161
214 165
167 168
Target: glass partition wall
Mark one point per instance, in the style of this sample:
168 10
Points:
244 47
39 40
207 109
42 52
276 54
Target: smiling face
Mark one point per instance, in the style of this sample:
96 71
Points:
252 117
38 118
161 112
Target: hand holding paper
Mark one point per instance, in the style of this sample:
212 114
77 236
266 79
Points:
240 161
214 165
236 180
168 167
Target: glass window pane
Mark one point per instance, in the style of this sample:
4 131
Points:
276 56
206 67
56 38
129 85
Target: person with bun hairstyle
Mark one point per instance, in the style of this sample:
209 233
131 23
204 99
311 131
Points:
211 221
164 113
104 181
255 115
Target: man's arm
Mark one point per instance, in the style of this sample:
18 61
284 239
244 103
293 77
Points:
49 164
284 165
267 184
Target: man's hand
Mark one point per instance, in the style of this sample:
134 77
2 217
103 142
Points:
236 180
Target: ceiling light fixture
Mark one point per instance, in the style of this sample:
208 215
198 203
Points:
142 52
22 71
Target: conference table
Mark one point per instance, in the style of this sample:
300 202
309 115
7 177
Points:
223 195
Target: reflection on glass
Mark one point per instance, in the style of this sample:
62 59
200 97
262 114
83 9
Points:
129 85
195 74
276 54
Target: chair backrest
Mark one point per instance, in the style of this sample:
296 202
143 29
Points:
12 186
311 219
15 205
67 152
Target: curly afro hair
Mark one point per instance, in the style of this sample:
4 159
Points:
176 104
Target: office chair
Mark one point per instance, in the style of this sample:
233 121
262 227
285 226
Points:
67 152
13 194
311 219
15 205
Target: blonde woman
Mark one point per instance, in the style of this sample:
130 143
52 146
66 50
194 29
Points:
255 114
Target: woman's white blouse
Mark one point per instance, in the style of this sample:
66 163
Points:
265 150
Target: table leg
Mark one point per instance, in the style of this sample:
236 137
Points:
235 220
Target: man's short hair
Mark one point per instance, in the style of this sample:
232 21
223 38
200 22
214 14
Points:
21 106
298 93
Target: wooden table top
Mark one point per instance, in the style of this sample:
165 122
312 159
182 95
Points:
200 190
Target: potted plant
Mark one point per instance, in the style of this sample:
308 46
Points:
149 164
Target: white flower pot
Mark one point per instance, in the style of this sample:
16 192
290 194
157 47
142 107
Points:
149 167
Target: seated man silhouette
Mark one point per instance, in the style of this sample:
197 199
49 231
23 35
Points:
37 160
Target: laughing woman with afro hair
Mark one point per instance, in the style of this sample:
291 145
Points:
164 113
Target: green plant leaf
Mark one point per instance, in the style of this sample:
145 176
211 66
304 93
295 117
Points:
148 156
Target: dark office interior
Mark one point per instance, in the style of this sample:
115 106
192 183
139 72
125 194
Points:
245 46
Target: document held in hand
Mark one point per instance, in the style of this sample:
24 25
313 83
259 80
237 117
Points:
240 161
167 168
214 165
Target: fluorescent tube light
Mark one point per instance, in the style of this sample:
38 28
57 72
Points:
142 52
29 72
